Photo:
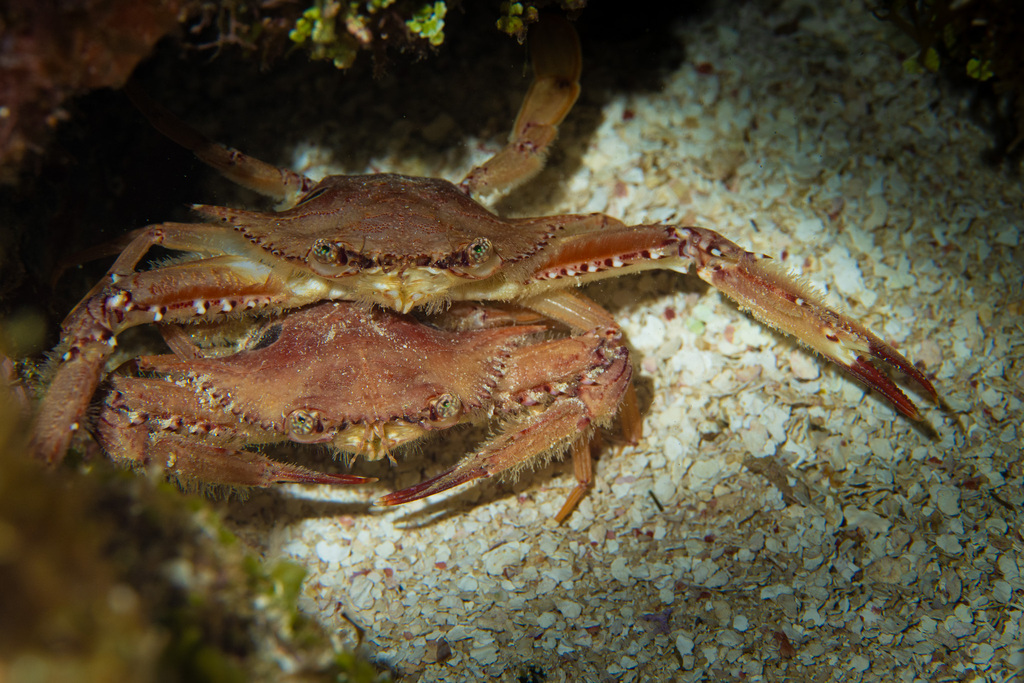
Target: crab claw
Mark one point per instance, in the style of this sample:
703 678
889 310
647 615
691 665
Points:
545 432
599 247
527 438
279 472
438 484
782 301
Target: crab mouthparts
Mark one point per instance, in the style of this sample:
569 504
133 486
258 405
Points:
406 290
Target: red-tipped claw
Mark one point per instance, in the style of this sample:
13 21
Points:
779 299
279 472
425 489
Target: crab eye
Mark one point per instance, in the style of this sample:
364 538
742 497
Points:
306 426
326 252
331 260
478 251
477 260
445 408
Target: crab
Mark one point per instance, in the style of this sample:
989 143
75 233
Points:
367 381
408 243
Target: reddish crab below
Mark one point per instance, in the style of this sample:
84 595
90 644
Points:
366 381
403 243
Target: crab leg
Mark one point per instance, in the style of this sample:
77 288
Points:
466 315
526 439
778 299
220 285
555 50
566 420
144 421
629 416
571 308
280 184
131 444
556 65
754 281
187 237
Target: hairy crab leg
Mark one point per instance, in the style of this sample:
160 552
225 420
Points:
221 285
605 248
146 421
555 52
131 444
280 184
565 421
66 401
582 460
579 312
188 237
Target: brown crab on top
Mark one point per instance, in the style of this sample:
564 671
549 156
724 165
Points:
405 243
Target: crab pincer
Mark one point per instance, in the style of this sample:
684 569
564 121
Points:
754 281
561 408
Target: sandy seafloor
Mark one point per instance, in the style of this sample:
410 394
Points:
776 521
